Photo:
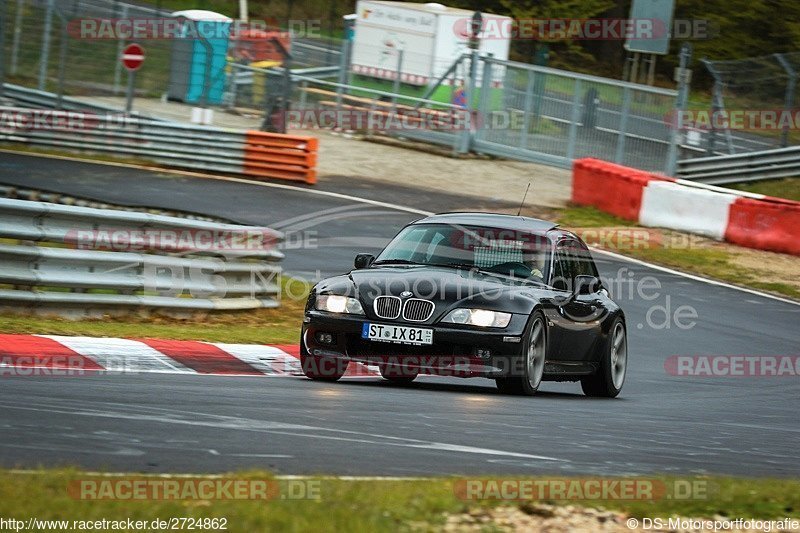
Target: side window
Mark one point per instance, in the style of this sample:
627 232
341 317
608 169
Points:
587 266
563 273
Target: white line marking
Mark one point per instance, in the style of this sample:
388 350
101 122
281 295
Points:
694 277
171 417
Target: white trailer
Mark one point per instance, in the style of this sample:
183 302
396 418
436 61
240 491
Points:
430 35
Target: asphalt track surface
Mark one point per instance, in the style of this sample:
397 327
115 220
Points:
170 423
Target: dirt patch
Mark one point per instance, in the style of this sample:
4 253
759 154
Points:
488 179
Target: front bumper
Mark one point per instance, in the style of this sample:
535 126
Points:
456 350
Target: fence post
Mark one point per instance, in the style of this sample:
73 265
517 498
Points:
485 100
396 84
3 13
120 48
680 105
573 125
17 35
623 125
44 56
342 72
526 119
466 138
789 97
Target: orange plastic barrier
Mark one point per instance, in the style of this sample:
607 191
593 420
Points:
275 155
769 224
610 187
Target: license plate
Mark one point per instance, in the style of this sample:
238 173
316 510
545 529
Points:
397 334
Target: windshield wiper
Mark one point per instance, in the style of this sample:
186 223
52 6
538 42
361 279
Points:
395 262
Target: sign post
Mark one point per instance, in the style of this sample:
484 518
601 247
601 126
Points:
132 59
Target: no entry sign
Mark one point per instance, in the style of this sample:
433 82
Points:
133 57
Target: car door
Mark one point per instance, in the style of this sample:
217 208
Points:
577 315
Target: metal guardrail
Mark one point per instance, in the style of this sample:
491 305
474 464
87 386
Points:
751 166
251 153
81 260
33 98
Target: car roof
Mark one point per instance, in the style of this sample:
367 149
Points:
493 220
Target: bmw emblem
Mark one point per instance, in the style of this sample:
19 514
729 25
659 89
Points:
406 294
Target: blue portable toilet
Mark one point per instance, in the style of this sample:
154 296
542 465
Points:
201 32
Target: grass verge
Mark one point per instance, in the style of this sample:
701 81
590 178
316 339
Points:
788 188
371 505
262 326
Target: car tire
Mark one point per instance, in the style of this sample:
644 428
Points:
535 355
398 374
608 380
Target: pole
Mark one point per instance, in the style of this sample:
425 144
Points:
466 140
788 99
44 57
120 48
243 11
63 48
129 97
680 105
17 35
3 14
396 85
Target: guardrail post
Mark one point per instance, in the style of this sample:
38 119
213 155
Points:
576 115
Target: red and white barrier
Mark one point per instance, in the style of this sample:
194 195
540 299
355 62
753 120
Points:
55 355
751 220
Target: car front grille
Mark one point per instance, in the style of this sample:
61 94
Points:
387 307
417 310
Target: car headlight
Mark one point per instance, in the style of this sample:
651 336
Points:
478 317
338 304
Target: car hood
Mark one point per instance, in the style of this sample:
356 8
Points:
448 288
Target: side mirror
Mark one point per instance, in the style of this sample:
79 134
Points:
587 285
363 261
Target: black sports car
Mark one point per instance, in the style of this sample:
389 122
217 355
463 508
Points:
506 297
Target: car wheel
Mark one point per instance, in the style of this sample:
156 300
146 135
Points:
398 374
535 353
608 380
321 368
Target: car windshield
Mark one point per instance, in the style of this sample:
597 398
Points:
497 250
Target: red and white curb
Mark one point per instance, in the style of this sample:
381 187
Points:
746 219
22 355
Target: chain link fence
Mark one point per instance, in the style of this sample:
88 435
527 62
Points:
482 105
46 49
758 86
